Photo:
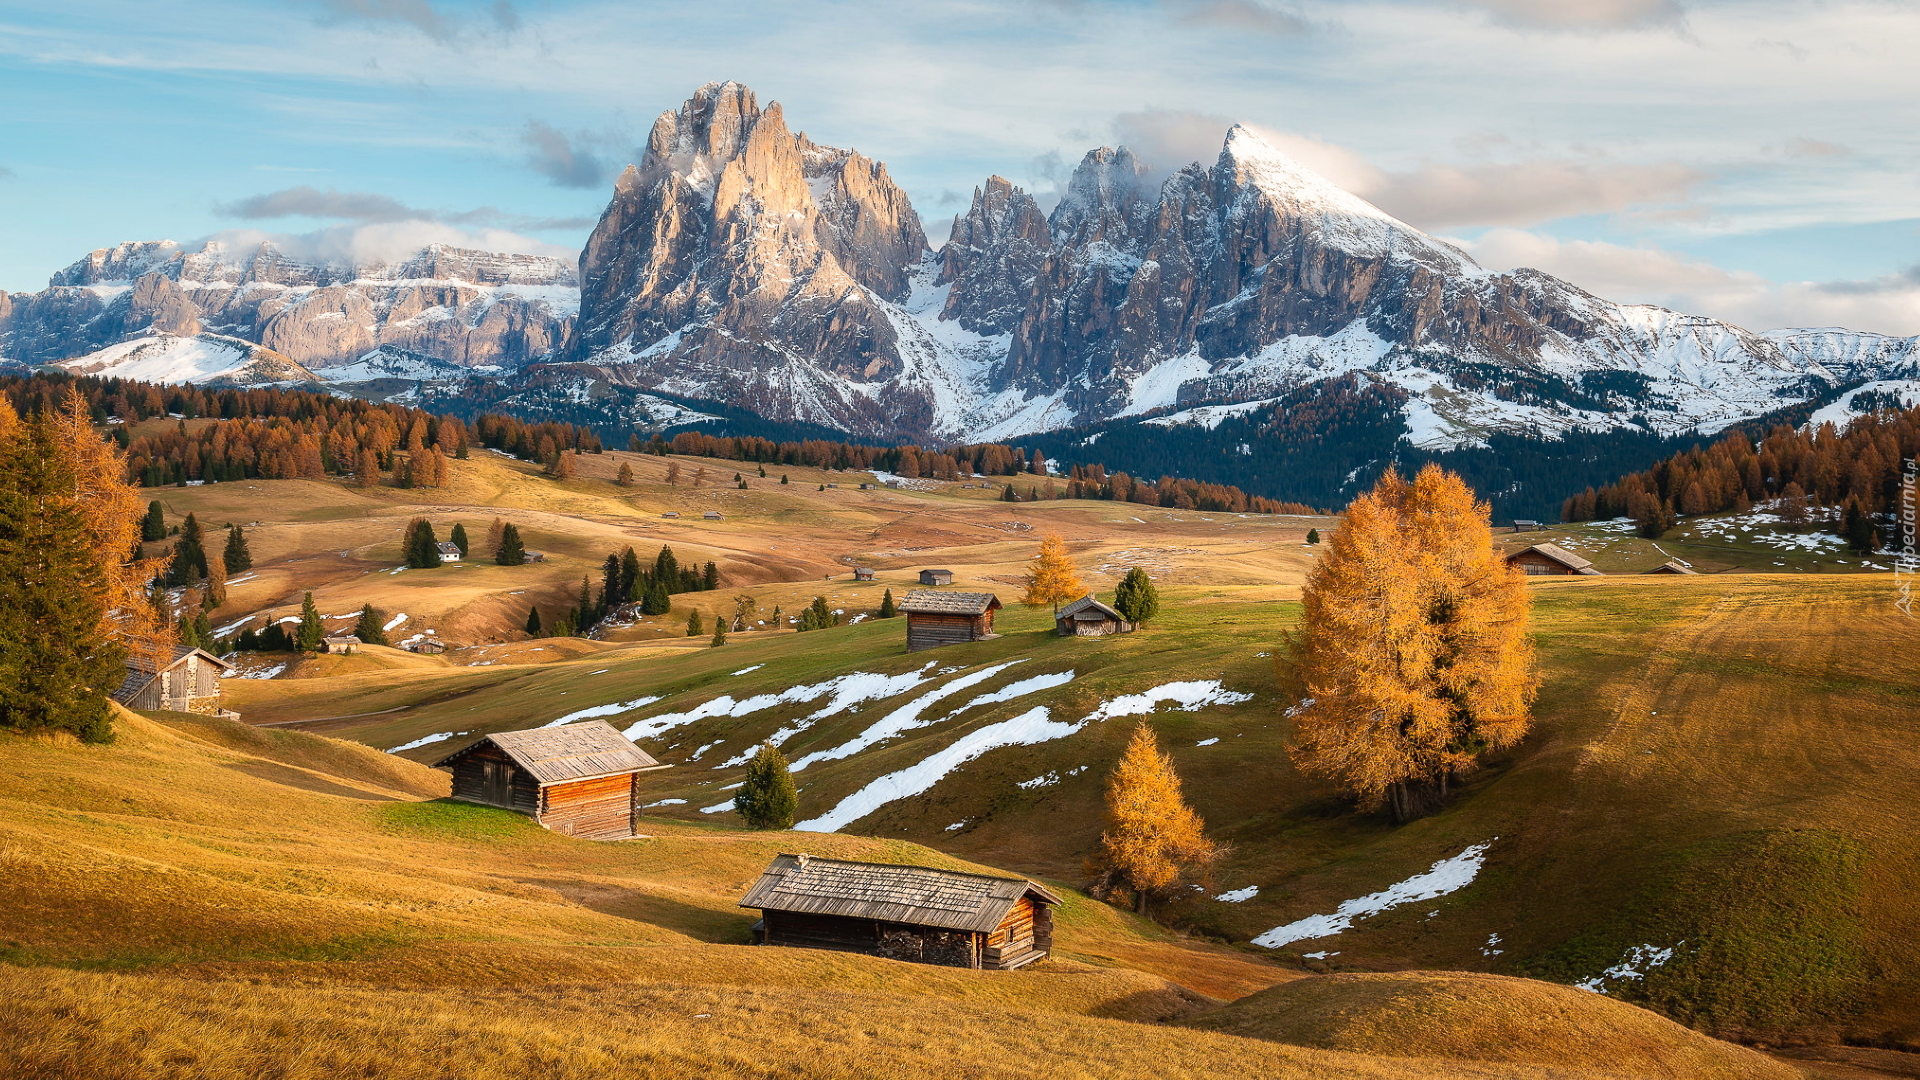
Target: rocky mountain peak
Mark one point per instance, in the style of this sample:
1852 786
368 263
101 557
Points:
1108 198
991 256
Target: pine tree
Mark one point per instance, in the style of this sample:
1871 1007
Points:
887 608
154 525
1313 536
666 569
1136 598
612 589
1857 528
694 628
710 578
783 478
719 633
421 548
458 538
1052 579
510 552
189 555
57 660
584 617
766 799
630 578
238 557
372 627
657 601
1008 495
1413 646
307 639
533 621
1154 843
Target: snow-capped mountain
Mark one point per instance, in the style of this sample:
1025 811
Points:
443 309
741 263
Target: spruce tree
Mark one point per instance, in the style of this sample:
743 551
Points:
887 608
766 798
189 556
583 612
307 639
719 632
612 588
1313 536
421 548
238 558
459 538
694 627
710 580
154 525
1136 598
657 601
666 569
630 579
510 552
371 628
533 621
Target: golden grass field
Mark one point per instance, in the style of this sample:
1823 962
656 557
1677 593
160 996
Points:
1726 764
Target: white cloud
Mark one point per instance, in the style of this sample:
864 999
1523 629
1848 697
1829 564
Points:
1647 275
387 241
1583 14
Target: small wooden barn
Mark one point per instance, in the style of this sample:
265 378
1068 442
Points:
344 644
1550 560
903 912
188 680
577 779
863 573
431 646
1087 617
947 618
936 577
1672 567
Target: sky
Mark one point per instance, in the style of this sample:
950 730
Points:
1750 160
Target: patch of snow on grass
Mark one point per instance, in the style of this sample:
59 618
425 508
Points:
848 691
598 711
665 802
266 673
1239 896
426 740
720 808
1639 960
1443 877
744 670
1190 696
395 621
232 626
845 690
1206 742
1017 689
955 825
1027 729
904 718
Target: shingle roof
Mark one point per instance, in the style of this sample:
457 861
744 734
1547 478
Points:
448 547
1088 609
929 602
569 752
1672 567
1558 554
917 895
140 669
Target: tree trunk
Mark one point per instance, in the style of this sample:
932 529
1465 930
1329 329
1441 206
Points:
1411 799
1139 901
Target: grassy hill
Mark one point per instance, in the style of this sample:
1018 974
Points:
1713 816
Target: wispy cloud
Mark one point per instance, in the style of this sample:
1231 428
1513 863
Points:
1586 15
564 161
1258 16
311 202
435 21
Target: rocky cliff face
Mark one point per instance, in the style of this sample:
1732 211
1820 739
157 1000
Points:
465 308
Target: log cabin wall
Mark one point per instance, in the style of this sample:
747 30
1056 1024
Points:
927 630
1025 935
597 809
895 941
471 781
1535 564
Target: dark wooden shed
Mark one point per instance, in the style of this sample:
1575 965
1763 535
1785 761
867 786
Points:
1087 617
577 779
936 577
947 618
1550 560
903 912
863 573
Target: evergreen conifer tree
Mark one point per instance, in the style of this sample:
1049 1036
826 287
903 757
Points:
613 589
189 563
510 552
710 578
584 618
238 558
1313 536
458 538
533 621
666 569
694 627
307 639
719 632
1136 598
630 580
657 600
1154 843
372 627
767 799
154 525
422 549
887 608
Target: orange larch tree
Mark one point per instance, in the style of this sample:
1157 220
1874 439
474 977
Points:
1052 580
1414 650
1154 843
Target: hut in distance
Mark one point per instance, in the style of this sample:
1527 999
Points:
578 779
936 617
1087 617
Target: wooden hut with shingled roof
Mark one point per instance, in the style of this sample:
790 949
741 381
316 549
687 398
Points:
577 779
939 617
1550 560
1087 617
187 680
903 912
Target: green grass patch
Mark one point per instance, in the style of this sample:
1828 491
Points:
446 818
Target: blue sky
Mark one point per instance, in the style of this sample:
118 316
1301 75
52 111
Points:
1751 160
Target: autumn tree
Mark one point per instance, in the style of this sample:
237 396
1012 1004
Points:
561 467
1413 652
625 477
366 471
767 799
216 591
494 532
1154 843
1052 580
1136 598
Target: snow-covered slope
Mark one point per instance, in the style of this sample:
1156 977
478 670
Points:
208 359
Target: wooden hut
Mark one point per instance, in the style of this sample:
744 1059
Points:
343 644
903 912
947 618
1087 617
936 577
188 680
1672 567
1550 560
431 646
577 779
863 573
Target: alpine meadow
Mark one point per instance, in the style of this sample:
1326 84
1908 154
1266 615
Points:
1379 544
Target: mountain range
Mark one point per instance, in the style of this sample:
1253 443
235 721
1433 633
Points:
742 264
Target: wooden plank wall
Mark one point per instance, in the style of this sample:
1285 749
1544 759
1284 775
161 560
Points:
469 780
929 631
599 809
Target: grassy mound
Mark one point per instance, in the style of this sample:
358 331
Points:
1475 1017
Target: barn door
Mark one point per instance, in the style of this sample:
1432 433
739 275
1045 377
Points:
497 780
